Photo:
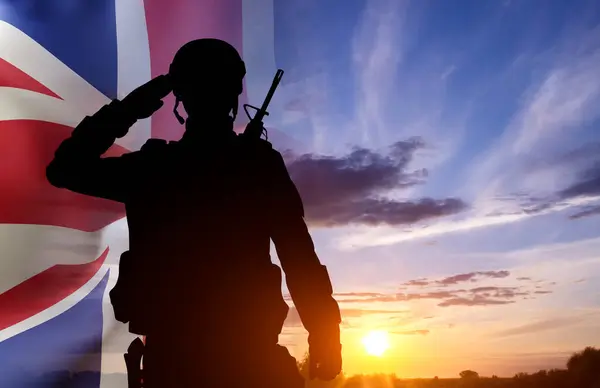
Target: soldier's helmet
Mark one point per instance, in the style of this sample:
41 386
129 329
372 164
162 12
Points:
207 66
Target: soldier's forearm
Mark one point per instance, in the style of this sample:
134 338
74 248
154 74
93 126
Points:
97 133
312 293
88 142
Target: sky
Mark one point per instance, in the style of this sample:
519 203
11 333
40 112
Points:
448 158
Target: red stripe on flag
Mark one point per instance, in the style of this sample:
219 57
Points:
45 290
171 25
26 148
10 76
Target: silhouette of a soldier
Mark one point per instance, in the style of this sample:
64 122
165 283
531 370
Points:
198 280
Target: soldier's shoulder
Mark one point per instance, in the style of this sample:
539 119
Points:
259 145
157 146
152 145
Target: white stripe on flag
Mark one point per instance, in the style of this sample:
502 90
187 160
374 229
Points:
115 335
32 58
133 50
30 249
133 58
258 48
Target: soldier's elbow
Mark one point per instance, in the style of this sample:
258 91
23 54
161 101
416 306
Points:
56 176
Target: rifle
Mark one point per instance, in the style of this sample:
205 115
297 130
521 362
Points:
133 359
255 127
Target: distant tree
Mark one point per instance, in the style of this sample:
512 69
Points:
584 368
468 374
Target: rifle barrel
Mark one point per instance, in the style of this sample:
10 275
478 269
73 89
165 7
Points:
263 110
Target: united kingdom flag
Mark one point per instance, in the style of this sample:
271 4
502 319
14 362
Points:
59 61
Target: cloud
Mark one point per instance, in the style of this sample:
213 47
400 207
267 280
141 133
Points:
442 291
576 156
581 193
557 108
493 289
542 145
587 212
376 54
479 296
477 300
543 325
566 98
358 294
455 279
428 295
402 297
348 190
473 276
552 111
474 219
417 282
412 332
587 185
293 318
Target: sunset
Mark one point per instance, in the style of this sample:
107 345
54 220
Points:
376 342
430 168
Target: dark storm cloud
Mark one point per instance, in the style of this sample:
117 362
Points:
348 190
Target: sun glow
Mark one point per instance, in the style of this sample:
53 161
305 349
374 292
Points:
376 342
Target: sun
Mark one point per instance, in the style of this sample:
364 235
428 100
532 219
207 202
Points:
376 342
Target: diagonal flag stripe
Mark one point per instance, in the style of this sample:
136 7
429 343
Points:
44 290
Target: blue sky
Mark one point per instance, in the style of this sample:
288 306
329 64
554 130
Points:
503 97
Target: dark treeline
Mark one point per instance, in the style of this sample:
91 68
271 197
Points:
581 371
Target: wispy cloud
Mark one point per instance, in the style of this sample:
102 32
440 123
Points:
394 98
589 211
412 332
442 290
377 52
472 276
293 318
553 110
502 184
476 218
544 325
477 300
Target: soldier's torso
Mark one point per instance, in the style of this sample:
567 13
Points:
200 224
198 198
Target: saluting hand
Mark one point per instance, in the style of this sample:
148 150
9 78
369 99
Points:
143 101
